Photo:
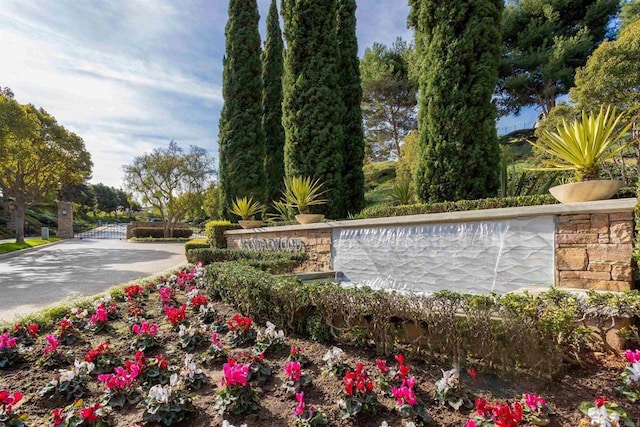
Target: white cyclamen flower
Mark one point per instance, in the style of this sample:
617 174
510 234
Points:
174 380
159 393
601 418
635 372
333 356
66 375
83 368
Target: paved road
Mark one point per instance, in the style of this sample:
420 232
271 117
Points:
78 267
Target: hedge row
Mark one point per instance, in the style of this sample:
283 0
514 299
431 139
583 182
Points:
505 332
214 230
196 244
273 262
158 232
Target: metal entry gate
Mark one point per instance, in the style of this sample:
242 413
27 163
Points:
106 231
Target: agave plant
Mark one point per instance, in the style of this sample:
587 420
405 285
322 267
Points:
583 145
401 193
283 212
246 208
302 192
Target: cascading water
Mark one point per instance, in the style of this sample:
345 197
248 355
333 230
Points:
470 257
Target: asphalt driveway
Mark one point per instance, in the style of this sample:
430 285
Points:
78 268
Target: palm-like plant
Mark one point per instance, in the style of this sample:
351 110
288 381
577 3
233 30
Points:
583 145
246 208
302 192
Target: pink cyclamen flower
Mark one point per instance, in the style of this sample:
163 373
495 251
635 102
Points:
7 342
300 399
632 356
215 340
470 423
293 370
404 395
235 373
101 315
53 344
534 402
145 329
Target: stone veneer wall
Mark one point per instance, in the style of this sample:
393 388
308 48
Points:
317 243
594 251
65 222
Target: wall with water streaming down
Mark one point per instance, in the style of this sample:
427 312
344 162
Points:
469 257
574 246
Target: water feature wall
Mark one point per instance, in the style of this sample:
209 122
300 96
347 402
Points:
469 257
580 245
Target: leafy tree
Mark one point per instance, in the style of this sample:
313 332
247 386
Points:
165 175
544 41
389 99
629 12
81 195
611 75
458 46
107 198
242 141
211 202
406 166
39 156
312 104
272 69
351 89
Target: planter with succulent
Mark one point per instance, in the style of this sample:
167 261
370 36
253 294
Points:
583 146
301 193
246 209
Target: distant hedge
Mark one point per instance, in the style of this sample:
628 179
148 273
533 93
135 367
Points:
214 231
196 244
386 210
158 232
272 262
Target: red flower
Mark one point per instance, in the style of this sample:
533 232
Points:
400 359
175 316
506 416
57 416
199 300
162 361
473 373
483 408
33 329
403 370
600 401
8 400
382 366
89 414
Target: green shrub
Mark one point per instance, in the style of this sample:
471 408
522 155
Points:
272 262
506 332
214 230
385 210
196 244
158 232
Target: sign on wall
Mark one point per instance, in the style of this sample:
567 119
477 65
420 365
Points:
282 244
472 257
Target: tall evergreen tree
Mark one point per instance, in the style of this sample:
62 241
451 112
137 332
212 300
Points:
458 44
351 90
241 140
272 68
312 105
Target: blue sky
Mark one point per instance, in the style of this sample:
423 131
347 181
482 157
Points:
132 75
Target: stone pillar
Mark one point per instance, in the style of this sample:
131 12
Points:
594 251
65 220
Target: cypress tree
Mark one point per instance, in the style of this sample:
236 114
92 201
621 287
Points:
458 44
272 105
312 105
241 140
351 90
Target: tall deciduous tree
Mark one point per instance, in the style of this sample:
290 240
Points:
39 156
351 90
390 97
241 141
272 68
458 46
629 12
312 105
544 41
166 176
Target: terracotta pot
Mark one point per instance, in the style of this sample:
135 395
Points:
585 191
249 223
309 218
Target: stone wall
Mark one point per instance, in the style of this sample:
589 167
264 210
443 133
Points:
594 251
316 242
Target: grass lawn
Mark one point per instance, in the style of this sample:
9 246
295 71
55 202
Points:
11 247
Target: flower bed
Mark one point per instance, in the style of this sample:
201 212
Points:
164 353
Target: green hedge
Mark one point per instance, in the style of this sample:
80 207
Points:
273 262
158 232
214 231
386 210
506 332
196 244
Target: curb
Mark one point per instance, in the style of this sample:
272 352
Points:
27 250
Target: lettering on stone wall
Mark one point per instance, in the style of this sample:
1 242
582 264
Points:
284 244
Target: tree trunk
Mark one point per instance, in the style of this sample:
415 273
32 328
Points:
20 210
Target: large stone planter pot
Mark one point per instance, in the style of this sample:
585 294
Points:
249 223
586 191
309 218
